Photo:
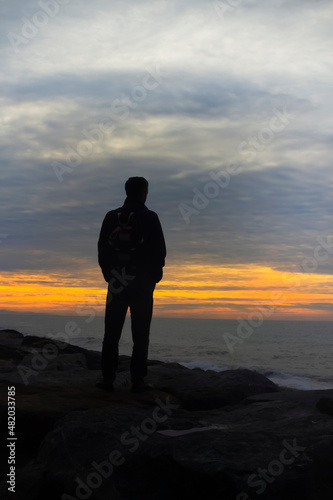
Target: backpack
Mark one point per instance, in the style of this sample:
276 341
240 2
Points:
126 240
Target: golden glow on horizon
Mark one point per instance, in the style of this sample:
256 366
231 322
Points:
187 290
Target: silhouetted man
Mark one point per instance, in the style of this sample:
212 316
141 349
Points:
131 254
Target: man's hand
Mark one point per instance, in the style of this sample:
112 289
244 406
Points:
159 276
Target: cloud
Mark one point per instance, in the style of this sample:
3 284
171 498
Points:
273 216
317 306
223 81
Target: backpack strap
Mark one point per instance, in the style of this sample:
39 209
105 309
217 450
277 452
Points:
125 223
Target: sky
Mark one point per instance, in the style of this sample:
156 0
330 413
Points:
224 106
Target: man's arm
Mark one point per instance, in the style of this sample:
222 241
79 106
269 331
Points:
159 249
104 248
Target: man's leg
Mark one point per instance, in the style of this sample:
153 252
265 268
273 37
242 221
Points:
141 305
115 314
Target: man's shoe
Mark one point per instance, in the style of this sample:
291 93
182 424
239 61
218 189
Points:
105 385
138 387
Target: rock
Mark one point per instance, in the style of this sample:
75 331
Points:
325 405
218 461
93 358
198 390
7 366
71 361
233 435
12 352
63 362
34 340
10 337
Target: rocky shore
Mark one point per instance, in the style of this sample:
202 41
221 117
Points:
230 435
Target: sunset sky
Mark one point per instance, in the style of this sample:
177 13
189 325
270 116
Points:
224 106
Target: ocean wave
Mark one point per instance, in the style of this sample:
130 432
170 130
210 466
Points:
282 379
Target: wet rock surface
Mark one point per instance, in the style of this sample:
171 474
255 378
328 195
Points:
228 435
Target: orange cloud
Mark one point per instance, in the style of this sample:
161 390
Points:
187 290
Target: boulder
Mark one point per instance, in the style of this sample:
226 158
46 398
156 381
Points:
13 337
198 389
325 405
158 449
233 435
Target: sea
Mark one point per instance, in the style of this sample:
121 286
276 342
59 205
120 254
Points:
294 354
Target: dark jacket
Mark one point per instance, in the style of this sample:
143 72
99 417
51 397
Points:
153 251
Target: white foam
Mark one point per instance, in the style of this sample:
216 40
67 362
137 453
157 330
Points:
299 382
282 379
203 365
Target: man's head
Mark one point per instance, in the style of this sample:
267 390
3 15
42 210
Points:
137 187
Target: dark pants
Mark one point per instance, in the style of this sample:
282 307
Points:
137 294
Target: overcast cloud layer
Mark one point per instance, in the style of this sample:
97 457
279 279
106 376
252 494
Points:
178 92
